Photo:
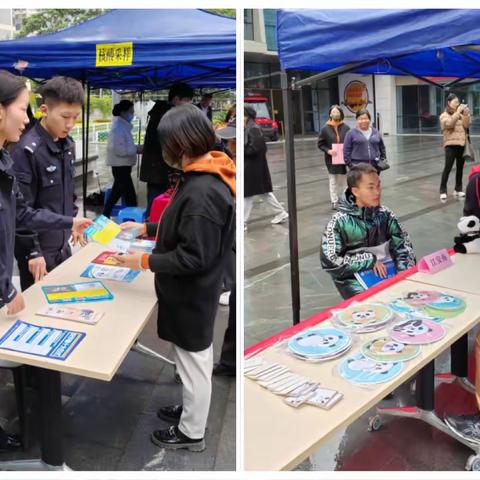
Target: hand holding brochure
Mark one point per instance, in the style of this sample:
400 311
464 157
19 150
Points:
106 232
368 278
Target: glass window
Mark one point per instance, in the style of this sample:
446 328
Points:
248 24
270 20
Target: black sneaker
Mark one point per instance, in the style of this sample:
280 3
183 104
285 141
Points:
465 426
172 438
170 414
221 370
12 443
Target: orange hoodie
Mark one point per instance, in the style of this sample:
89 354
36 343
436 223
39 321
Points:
218 163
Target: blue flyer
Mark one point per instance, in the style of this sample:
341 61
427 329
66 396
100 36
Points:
368 278
45 342
108 272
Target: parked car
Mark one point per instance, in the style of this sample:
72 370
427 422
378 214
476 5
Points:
264 118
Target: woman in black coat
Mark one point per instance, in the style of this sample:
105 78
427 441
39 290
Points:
334 131
193 241
257 181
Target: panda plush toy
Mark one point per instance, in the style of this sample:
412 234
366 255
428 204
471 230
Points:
469 239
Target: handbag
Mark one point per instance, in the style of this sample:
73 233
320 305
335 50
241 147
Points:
382 165
468 151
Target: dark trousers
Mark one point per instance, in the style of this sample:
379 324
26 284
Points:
228 357
52 259
153 191
229 273
452 153
122 187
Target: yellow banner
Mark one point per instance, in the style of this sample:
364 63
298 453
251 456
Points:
114 54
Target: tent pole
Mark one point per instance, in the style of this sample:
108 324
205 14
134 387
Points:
377 123
83 155
140 133
292 195
87 138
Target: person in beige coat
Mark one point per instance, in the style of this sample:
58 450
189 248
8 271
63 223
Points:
454 122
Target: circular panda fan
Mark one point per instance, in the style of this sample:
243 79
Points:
362 370
319 343
385 349
417 331
365 317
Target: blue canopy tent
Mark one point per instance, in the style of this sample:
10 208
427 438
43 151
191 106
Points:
131 50
168 45
421 43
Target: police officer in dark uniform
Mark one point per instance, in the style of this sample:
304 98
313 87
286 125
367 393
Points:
14 212
44 166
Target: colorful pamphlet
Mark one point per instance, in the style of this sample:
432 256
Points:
368 278
77 292
139 245
105 232
75 314
107 258
54 343
107 272
362 370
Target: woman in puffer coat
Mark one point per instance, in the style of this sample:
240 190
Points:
454 122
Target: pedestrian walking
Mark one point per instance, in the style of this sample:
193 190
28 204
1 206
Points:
257 180
334 132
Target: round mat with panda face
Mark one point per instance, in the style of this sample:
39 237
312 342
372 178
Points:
417 331
385 349
320 342
362 370
364 317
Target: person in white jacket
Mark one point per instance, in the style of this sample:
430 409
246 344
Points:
121 156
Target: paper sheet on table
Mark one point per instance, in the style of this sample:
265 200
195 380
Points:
338 158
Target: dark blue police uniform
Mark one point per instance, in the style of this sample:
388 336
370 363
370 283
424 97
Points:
15 213
45 173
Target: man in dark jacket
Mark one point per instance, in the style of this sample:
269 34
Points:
205 105
153 169
363 234
44 166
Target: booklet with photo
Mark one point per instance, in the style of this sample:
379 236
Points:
107 258
368 278
77 292
75 314
108 272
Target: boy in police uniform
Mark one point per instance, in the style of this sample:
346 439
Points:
44 166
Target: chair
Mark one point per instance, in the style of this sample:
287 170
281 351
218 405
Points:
159 204
137 214
116 208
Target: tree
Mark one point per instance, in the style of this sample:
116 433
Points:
226 12
55 19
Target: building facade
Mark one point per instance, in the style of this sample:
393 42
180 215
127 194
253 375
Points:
7 28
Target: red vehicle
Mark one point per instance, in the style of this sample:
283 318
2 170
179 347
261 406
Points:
264 118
